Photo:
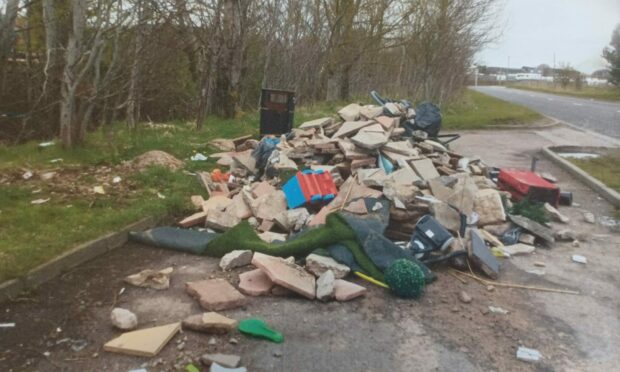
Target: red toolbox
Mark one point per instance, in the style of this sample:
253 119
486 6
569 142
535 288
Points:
525 184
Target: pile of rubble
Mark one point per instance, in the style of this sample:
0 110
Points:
435 205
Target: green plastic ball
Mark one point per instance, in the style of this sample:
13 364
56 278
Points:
405 279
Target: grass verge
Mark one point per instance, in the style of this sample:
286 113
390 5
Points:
475 110
601 93
605 169
33 234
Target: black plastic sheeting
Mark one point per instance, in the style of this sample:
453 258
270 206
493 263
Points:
427 119
182 240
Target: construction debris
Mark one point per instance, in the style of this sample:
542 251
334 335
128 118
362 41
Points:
236 259
144 342
151 278
123 319
215 294
209 323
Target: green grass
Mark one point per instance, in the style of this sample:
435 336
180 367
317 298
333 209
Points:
605 169
33 234
475 110
601 93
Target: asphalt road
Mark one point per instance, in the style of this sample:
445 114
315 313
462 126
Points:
598 116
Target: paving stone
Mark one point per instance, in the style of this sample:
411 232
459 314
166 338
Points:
325 286
255 283
369 140
316 123
350 112
488 205
236 258
317 265
286 274
425 169
271 205
372 177
225 360
216 202
370 112
349 128
345 291
534 227
215 294
387 122
262 188
210 322
193 220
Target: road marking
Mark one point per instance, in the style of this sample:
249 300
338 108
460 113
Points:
577 104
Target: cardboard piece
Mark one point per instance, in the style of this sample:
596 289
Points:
143 342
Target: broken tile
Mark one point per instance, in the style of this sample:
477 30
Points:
262 188
369 140
488 205
482 257
286 274
255 283
371 177
215 294
239 208
345 291
210 322
156 279
143 342
387 122
365 162
370 111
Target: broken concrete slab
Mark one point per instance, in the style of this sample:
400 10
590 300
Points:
372 177
215 294
350 112
210 322
534 227
349 128
345 291
369 112
350 151
402 147
387 122
519 249
255 283
236 258
481 255
245 160
555 214
488 205
239 208
424 168
225 360
369 140
270 237
262 188
144 342
271 205
317 265
325 286
221 221
286 274
365 162
223 144
316 123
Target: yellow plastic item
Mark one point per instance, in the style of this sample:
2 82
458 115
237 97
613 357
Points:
370 279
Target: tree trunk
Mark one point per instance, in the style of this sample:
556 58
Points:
7 29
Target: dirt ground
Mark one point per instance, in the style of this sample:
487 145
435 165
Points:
376 333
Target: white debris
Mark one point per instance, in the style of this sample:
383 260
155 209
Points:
236 258
40 201
580 259
528 355
123 319
199 157
498 310
116 179
7 325
27 175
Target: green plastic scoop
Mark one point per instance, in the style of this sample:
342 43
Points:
258 328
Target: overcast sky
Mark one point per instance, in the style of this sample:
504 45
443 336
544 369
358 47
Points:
532 30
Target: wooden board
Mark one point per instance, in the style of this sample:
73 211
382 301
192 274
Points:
143 342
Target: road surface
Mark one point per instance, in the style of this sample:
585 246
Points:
598 116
